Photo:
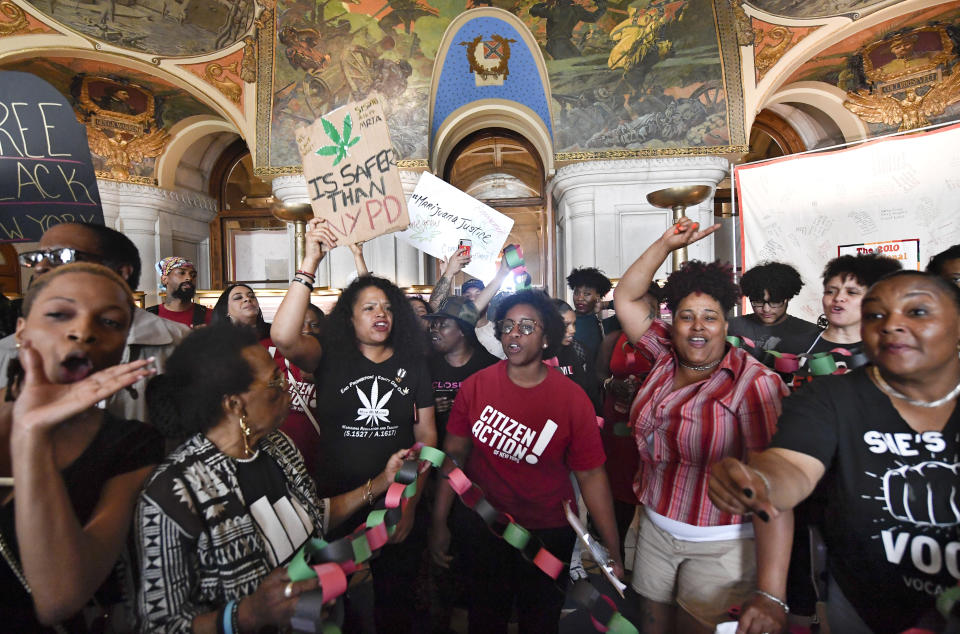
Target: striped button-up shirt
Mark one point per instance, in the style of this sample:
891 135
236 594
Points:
681 433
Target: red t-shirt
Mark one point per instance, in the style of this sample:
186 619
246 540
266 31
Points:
184 317
303 403
526 441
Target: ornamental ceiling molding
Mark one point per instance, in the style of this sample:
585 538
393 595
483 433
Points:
224 74
177 198
771 42
15 21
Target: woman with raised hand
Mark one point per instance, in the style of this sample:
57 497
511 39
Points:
374 398
520 431
884 440
702 401
76 470
223 514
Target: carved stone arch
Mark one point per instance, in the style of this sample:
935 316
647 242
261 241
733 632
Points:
532 123
184 136
829 100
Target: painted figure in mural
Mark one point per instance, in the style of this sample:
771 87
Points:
235 24
562 17
116 99
640 34
405 13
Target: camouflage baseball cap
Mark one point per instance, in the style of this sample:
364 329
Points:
457 307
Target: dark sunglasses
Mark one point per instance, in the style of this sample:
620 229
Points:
56 257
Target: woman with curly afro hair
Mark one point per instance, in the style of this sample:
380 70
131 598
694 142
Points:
770 287
703 401
374 397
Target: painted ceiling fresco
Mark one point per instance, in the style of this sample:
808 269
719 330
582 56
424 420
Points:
641 75
818 8
140 106
901 74
161 27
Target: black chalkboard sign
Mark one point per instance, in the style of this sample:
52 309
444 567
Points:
46 175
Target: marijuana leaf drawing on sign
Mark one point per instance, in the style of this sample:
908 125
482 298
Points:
340 141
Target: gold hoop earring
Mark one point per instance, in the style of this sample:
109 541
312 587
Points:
245 434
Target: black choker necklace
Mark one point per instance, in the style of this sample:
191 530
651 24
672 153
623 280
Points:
701 368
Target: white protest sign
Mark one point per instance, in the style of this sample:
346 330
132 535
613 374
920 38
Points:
441 215
896 196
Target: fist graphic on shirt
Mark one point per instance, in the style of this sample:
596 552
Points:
923 494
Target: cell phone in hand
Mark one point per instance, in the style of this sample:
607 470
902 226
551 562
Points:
464 247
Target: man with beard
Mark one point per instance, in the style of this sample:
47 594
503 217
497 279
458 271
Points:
178 277
149 335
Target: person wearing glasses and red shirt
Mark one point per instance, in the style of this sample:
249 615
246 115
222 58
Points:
770 287
149 335
520 429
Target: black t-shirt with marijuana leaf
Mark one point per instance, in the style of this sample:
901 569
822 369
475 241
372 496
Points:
366 412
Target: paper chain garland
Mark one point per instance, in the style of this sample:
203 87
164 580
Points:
818 363
332 562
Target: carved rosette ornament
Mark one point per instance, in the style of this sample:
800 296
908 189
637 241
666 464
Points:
121 124
908 83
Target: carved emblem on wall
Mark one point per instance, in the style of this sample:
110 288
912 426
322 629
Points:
907 77
13 20
771 44
216 75
489 59
121 123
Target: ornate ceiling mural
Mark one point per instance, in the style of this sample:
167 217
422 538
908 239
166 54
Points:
128 114
627 77
819 8
169 28
898 75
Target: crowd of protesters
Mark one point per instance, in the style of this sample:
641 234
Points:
160 468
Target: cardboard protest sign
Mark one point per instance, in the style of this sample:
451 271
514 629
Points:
46 175
441 215
351 172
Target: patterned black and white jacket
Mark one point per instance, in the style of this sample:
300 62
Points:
198 544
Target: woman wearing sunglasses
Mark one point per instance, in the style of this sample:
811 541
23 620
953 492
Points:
520 429
221 516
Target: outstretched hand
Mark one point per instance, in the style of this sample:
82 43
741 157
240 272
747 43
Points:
456 262
739 489
41 404
685 232
320 240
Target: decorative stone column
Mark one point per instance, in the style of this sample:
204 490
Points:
385 255
160 222
604 219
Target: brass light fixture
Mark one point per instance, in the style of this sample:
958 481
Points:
678 199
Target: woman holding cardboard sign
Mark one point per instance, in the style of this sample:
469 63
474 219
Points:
374 398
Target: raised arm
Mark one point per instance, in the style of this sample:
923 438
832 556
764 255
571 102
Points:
633 311
490 290
357 250
302 350
64 561
453 265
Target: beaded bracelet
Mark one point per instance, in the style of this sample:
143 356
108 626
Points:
304 282
368 493
767 595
